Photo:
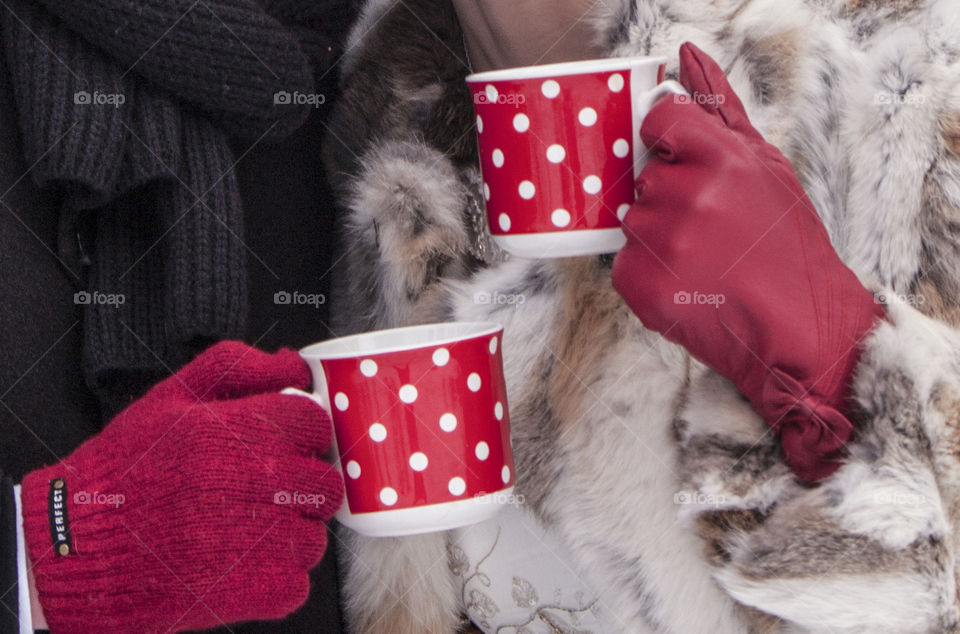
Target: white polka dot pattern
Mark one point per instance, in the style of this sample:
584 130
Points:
388 496
448 422
482 450
526 190
560 217
550 89
408 394
551 141
457 486
353 469
378 433
418 461
441 356
592 184
587 116
420 426
473 382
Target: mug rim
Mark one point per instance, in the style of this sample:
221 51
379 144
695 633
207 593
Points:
468 330
577 67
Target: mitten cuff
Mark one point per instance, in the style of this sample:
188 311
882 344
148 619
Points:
75 541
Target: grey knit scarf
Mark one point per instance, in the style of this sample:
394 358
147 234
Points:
125 107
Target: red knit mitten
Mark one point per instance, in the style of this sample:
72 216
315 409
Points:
201 504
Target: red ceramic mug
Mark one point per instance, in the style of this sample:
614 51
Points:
421 427
560 149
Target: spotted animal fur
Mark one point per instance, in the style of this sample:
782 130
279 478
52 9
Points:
611 423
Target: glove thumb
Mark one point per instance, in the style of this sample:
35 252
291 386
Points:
704 79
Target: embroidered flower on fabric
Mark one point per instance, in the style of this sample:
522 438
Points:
482 606
524 595
457 560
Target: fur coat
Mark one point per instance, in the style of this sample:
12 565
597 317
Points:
611 424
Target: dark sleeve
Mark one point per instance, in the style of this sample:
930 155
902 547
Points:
8 559
230 59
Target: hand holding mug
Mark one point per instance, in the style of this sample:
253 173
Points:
200 504
727 256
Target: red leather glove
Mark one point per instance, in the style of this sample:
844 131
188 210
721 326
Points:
198 505
727 256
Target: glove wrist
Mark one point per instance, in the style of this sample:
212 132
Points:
810 417
75 569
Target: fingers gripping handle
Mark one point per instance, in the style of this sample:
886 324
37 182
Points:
320 393
642 102
321 396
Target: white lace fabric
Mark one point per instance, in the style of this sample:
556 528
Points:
517 578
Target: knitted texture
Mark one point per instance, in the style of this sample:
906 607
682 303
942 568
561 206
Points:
229 57
153 172
318 26
199 505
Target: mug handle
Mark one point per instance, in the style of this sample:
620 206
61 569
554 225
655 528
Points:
642 104
320 397
320 393
313 396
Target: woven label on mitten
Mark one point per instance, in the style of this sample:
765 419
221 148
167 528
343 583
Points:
57 511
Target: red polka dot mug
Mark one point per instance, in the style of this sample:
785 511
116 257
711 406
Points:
560 149
421 425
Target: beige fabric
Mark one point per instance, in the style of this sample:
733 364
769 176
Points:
503 34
